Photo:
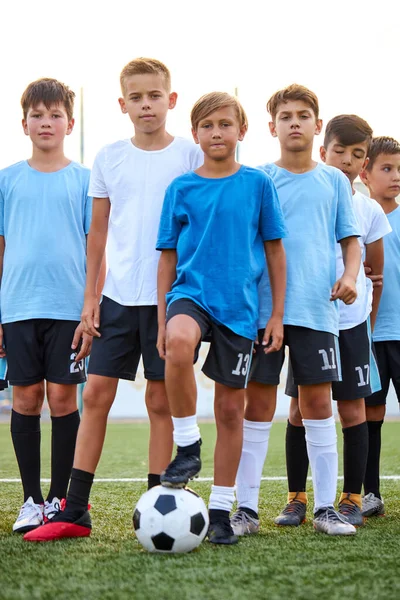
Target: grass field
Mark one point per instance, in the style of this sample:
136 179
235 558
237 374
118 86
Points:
276 564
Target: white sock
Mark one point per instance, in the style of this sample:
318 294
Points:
186 430
322 452
222 498
254 452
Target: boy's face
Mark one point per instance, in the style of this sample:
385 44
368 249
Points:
47 127
147 101
383 180
295 126
219 133
349 159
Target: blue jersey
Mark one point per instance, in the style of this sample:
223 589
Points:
387 326
218 227
318 210
44 218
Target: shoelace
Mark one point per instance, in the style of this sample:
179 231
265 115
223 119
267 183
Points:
295 506
348 507
27 509
333 516
241 517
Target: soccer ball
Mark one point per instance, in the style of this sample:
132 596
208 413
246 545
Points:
170 520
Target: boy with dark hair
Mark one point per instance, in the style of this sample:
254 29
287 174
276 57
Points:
382 177
45 215
316 202
128 183
346 146
215 227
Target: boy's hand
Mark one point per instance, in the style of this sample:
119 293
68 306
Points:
345 290
273 336
2 349
90 318
86 343
161 341
377 280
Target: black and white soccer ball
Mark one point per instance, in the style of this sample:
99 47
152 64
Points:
170 520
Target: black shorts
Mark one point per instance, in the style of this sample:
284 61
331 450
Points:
357 363
313 354
388 360
229 358
39 349
127 333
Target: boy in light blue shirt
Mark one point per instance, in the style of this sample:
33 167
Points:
45 215
215 227
317 205
382 177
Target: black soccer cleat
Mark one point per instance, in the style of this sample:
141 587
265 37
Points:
293 515
220 532
186 465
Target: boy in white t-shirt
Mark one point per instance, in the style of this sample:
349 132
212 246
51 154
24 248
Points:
346 144
128 183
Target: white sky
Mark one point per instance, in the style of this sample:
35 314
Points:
347 51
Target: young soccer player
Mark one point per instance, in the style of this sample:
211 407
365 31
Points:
317 205
128 183
213 227
382 177
346 144
45 215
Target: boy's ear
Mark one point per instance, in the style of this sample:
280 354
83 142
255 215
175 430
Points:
173 97
242 133
70 127
366 161
25 127
322 153
195 136
364 173
318 126
122 104
272 129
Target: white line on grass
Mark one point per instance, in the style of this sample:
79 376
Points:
144 480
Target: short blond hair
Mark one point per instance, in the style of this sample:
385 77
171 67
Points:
145 66
292 92
214 101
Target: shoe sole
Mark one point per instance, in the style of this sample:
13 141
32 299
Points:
338 533
290 524
58 531
373 514
178 484
26 528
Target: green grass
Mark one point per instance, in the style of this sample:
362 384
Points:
276 564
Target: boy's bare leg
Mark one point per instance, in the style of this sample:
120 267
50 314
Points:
64 428
228 409
98 396
161 442
25 433
182 337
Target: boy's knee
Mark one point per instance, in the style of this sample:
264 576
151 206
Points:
95 398
229 412
294 413
28 400
180 348
62 399
351 413
156 400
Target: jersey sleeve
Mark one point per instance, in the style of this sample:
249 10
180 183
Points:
346 220
170 227
272 223
1 209
380 225
97 185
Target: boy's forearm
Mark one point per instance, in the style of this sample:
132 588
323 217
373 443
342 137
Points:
351 252
374 258
96 245
276 263
166 276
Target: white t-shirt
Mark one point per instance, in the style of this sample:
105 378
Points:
373 225
135 181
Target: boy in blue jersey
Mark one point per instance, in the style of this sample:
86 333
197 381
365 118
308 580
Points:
45 214
317 205
382 177
216 224
346 145
128 183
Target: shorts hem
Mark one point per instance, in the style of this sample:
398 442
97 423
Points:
154 377
125 376
263 381
64 381
25 382
297 381
348 397
223 382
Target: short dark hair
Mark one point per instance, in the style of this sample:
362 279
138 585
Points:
348 130
381 145
49 91
293 92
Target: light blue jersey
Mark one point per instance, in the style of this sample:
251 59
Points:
218 227
44 218
387 325
318 211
